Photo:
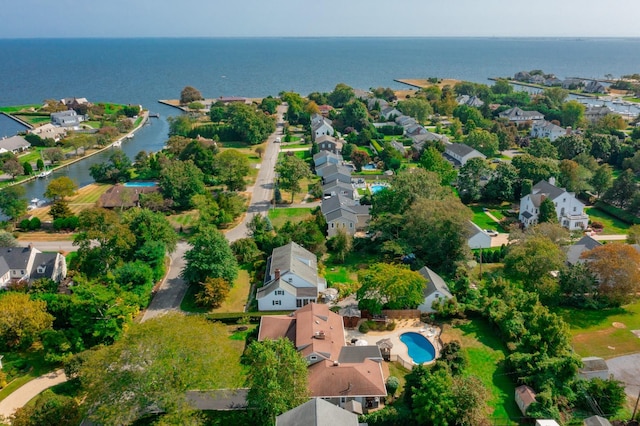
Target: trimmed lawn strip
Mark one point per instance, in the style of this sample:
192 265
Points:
594 334
481 219
18 108
485 354
611 224
278 217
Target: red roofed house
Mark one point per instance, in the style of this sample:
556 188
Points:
346 376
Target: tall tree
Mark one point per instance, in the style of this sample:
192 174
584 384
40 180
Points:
393 286
433 161
484 141
190 94
231 168
420 109
291 170
12 201
61 187
210 257
355 114
572 113
469 179
623 189
533 259
187 346
277 379
21 319
571 146
180 181
149 226
617 268
12 167
341 95
502 184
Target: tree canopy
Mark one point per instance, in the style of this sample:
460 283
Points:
390 286
210 257
21 319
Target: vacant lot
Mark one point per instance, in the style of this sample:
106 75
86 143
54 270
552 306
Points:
278 217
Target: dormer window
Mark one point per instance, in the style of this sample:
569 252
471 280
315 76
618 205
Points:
41 269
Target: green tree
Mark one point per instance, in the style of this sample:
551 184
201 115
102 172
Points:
573 176
60 209
12 202
571 146
502 184
602 179
7 240
485 142
341 95
61 187
269 104
420 109
49 409
180 181
433 161
252 126
277 379
623 189
533 259
291 170
469 179
148 226
54 155
617 267
572 113
534 169
190 94
547 212
502 87
21 320
577 286
231 168
393 286
542 148
341 245
117 169
138 366
210 257
355 114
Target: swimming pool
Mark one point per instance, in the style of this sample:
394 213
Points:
140 184
376 188
369 166
420 348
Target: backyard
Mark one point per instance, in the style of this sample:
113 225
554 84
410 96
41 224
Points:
483 220
278 217
611 224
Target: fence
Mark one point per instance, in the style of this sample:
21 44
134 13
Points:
406 364
395 314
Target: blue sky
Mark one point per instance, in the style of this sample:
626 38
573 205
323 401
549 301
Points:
304 18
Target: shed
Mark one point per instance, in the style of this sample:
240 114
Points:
525 396
350 316
385 346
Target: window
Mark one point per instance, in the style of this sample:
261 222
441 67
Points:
574 209
351 225
277 302
279 292
298 303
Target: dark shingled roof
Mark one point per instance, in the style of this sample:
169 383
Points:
585 244
596 421
317 412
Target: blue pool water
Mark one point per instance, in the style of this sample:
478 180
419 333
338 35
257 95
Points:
420 348
140 184
377 188
369 167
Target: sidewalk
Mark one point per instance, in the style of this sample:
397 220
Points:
30 390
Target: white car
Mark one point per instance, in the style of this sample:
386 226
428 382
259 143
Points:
277 140
491 232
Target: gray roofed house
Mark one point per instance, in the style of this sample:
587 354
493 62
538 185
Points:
477 237
389 112
329 143
595 113
405 121
574 251
320 126
336 172
546 129
594 87
67 118
459 153
414 130
435 289
317 412
337 187
472 101
398 147
323 157
14 144
518 115
596 421
341 212
419 140
569 209
29 263
291 279
371 103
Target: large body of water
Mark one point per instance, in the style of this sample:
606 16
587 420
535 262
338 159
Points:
141 71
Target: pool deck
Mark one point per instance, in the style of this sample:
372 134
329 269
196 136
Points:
402 326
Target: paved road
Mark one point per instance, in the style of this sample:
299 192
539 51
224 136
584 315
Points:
172 289
627 370
30 390
50 246
262 191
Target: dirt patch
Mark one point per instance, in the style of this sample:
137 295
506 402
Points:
618 325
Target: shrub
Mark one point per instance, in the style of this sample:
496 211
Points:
34 224
597 225
3 379
364 327
392 385
391 326
24 224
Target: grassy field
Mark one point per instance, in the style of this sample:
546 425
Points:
481 219
18 108
594 333
184 220
485 355
86 197
34 119
611 224
235 302
279 216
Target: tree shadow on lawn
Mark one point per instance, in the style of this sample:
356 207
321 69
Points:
583 319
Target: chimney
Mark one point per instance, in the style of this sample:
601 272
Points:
552 181
277 271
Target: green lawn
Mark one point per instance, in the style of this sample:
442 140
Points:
236 145
594 334
279 216
295 145
23 367
611 224
485 354
235 302
34 119
481 219
17 108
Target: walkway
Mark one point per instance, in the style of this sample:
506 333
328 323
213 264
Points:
30 390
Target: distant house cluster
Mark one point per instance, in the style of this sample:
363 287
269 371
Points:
550 80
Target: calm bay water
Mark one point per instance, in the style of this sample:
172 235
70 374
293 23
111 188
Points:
141 71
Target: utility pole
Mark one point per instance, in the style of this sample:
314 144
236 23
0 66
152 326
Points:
633 416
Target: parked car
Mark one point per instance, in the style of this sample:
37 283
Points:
491 232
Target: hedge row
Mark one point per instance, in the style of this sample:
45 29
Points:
624 216
234 317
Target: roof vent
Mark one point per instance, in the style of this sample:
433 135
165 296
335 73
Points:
319 335
336 364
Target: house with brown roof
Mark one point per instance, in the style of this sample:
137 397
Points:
291 280
525 396
124 197
338 373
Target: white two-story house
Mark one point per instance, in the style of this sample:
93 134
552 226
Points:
569 209
291 279
320 126
546 129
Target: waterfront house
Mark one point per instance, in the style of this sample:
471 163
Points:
518 115
435 289
346 376
459 153
125 197
546 129
320 126
49 131
26 264
67 118
594 86
595 113
14 144
291 279
372 103
569 209
472 101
